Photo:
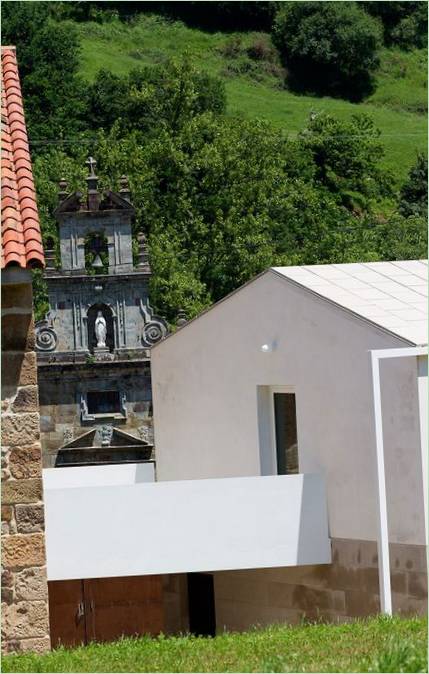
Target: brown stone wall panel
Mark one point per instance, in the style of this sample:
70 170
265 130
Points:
418 584
409 606
360 604
408 557
23 550
20 429
30 518
26 462
364 579
22 491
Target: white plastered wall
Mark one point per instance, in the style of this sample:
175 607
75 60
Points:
205 391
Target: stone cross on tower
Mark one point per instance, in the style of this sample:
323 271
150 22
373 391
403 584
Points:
91 163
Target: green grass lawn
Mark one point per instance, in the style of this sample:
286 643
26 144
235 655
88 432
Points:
375 645
255 88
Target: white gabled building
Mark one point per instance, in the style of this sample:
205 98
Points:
281 376
290 434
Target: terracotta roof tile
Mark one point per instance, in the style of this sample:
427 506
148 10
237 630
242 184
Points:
21 238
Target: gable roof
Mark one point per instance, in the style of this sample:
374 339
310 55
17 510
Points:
392 295
21 238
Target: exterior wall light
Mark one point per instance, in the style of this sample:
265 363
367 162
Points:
268 348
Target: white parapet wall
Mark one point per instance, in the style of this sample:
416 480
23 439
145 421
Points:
176 527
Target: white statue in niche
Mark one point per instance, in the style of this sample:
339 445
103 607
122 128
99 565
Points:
100 330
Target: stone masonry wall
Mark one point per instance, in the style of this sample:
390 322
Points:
24 590
339 592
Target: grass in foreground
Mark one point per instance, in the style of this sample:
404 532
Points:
398 106
375 645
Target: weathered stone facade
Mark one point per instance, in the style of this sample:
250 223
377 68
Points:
62 388
88 381
25 617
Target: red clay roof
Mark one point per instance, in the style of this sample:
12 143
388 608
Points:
21 238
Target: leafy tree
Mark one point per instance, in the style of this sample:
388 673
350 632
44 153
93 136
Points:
328 47
414 192
347 155
165 95
48 55
404 22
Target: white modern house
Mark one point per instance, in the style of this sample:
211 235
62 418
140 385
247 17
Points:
319 370
291 435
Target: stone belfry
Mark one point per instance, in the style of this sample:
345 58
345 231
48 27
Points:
94 343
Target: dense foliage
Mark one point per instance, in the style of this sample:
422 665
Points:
220 198
404 22
329 47
414 192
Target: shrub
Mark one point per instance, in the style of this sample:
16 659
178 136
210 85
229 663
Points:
262 49
329 47
414 192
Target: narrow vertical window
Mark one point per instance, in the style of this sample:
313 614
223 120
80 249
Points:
286 433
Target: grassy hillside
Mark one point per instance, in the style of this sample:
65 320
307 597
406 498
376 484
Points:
376 645
255 86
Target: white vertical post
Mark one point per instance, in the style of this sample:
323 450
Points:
383 535
422 379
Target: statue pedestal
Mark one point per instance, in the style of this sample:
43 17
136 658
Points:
103 353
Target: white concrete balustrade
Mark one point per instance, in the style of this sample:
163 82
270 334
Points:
143 528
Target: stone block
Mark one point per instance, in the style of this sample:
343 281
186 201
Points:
31 584
22 491
418 584
6 513
7 595
27 400
7 578
46 423
28 619
29 518
25 462
40 645
20 429
22 550
19 296
17 332
18 369
5 474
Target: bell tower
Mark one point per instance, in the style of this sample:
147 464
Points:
95 339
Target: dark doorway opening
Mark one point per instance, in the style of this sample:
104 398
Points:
286 433
201 600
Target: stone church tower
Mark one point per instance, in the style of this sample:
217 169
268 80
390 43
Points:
94 343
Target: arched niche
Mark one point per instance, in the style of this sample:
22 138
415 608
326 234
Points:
110 328
96 253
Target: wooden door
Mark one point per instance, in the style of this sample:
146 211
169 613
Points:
67 613
104 609
130 606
